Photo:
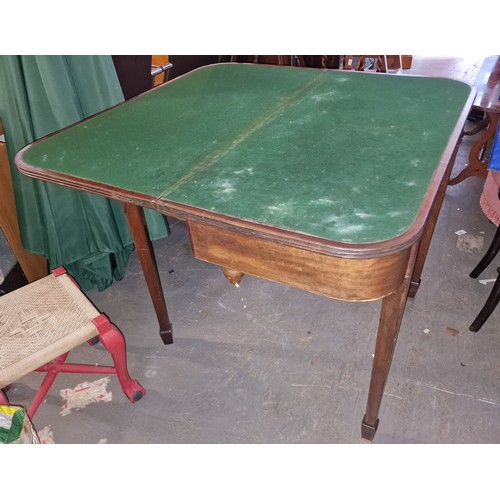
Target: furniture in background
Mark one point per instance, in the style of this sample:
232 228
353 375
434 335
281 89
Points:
33 266
487 101
319 61
378 63
138 73
134 73
312 61
490 204
184 63
42 322
160 69
381 63
494 296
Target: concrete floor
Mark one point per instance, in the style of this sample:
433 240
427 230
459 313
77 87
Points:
266 363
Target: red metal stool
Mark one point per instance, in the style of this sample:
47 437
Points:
42 322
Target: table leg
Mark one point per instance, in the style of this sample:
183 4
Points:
426 238
234 277
478 167
424 245
391 315
140 235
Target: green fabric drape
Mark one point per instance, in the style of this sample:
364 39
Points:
87 234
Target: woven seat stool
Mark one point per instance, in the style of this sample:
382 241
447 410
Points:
40 323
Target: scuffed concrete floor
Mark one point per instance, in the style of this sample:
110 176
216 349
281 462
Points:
266 363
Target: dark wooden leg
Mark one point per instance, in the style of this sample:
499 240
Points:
423 249
234 277
419 266
489 306
488 256
391 315
140 235
477 166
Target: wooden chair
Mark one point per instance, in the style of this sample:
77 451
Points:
490 204
33 266
494 297
40 323
382 63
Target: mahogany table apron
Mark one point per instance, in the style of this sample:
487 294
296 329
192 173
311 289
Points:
324 180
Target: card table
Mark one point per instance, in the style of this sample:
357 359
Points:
325 180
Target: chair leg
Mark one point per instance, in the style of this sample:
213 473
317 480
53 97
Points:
112 339
488 256
488 307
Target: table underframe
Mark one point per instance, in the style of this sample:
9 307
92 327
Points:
391 277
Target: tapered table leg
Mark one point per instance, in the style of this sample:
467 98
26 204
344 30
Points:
426 238
391 315
137 223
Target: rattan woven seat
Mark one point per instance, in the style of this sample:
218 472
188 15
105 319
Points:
44 320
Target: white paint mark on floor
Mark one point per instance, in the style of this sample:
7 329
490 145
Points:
46 435
461 394
150 373
223 306
485 282
85 394
490 402
392 395
321 386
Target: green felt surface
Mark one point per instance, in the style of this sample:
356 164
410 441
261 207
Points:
345 156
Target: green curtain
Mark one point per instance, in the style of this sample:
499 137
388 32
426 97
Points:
87 234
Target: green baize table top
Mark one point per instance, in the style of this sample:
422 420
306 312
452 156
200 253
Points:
344 156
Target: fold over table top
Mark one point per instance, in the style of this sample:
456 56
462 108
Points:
343 156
